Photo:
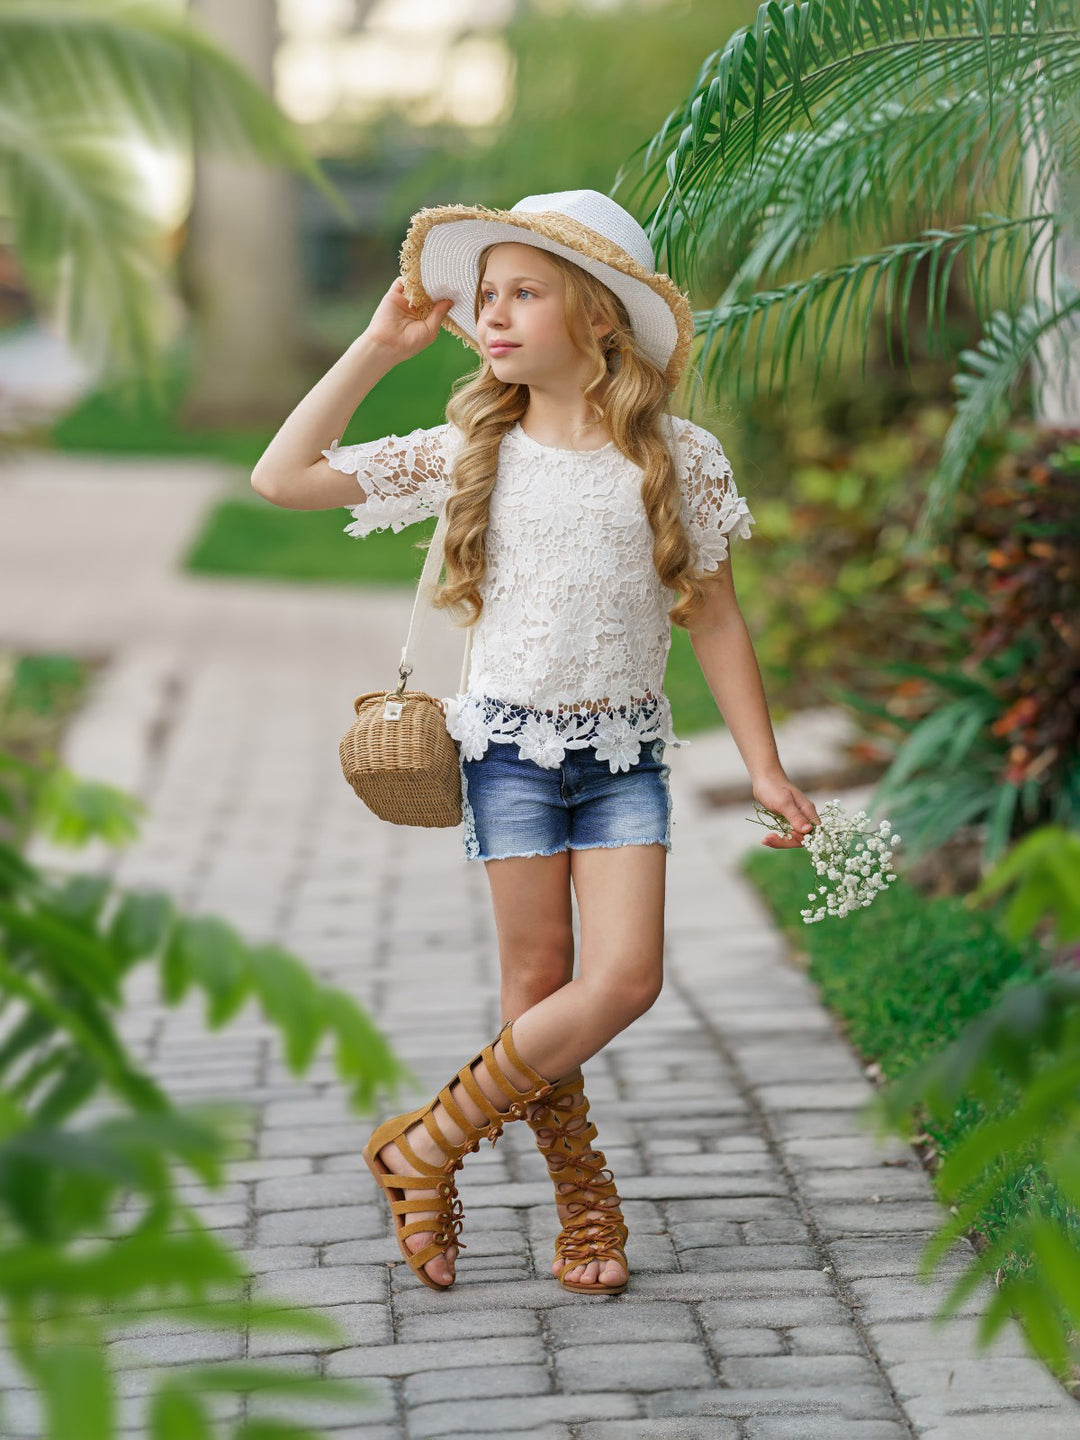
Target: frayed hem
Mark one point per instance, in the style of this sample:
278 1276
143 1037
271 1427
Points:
520 854
596 845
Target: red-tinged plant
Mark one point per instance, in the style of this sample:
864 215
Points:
993 727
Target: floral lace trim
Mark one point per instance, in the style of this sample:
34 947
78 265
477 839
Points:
617 733
472 843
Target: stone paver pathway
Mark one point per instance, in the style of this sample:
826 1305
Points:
773 1243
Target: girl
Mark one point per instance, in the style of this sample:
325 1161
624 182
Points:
583 518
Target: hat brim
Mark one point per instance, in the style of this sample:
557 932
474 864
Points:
440 254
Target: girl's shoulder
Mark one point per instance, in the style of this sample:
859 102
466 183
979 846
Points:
697 450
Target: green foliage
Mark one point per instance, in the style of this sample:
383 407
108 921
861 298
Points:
94 1234
978 1038
825 579
1041 869
820 120
43 683
38 693
1022 1059
92 78
906 974
989 718
138 419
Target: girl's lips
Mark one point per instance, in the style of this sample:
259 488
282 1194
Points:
503 345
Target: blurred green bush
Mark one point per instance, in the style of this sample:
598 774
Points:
96 1229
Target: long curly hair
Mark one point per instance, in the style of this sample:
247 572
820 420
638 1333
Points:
484 408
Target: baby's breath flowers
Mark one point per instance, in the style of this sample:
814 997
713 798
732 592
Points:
856 861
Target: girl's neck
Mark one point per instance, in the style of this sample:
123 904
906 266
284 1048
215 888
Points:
564 427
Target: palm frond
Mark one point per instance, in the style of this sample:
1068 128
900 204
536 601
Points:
994 366
150 70
86 243
851 177
83 80
818 298
740 105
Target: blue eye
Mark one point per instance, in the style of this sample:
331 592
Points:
520 291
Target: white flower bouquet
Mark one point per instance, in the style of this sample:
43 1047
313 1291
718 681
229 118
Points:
855 861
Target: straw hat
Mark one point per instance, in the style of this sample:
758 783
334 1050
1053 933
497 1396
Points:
441 252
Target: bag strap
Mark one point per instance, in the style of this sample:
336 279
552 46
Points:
429 577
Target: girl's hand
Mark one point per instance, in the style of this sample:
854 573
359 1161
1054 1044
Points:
776 792
396 326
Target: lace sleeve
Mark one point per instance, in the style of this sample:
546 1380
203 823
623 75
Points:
712 507
406 478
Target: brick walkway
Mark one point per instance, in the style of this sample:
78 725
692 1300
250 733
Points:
772 1242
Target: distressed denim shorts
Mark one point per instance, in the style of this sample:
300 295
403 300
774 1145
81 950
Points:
512 806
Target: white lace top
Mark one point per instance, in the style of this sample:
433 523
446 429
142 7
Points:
572 644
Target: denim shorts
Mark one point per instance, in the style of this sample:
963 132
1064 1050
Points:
512 806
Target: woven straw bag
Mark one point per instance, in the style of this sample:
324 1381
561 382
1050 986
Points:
398 755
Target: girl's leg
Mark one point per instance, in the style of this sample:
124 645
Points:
534 924
620 895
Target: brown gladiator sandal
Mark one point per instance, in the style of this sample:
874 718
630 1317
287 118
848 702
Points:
562 1137
444 1212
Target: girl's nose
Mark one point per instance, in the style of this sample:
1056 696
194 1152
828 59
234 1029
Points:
496 309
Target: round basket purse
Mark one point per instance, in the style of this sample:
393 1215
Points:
398 755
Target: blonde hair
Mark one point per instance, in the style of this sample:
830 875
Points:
484 408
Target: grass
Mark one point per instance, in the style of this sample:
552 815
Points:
905 975
907 972
103 424
252 538
39 694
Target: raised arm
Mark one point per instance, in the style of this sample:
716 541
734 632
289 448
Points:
292 471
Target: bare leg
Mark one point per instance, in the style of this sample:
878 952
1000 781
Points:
534 922
621 901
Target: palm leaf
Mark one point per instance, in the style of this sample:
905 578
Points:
818 116
83 80
994 366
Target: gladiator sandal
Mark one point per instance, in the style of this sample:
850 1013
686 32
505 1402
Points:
581 1184
443 1213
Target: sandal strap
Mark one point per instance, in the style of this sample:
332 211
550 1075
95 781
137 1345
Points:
443 1214
580 1253
537 1082
563 1134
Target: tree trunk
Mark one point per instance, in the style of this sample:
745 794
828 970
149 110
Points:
1057 396
241 267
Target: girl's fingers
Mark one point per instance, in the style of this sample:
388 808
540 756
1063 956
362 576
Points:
808 814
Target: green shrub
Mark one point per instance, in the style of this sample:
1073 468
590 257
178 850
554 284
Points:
990 720
974 1025
94 1229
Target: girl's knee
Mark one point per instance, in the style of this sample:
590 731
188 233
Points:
644 995
534 976
628 992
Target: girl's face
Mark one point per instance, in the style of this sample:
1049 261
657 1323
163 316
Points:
522 302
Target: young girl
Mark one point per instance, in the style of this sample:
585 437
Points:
583 519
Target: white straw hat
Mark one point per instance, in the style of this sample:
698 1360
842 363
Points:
440 258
